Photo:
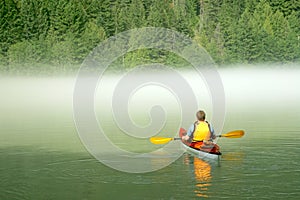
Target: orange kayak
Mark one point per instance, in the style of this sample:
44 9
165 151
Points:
199 149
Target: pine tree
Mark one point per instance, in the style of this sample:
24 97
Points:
262 31
136 15
209 10
186 19
228 17
285 7
67 17
251 5
35 19
294 19
10 27
244 40
158 14
294 36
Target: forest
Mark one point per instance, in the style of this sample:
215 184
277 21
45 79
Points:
39 34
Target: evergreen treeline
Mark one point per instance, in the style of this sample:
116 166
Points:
63 32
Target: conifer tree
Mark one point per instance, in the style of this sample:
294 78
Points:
10 27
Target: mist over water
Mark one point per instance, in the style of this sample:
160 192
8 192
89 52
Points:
40 145
33 101
262 85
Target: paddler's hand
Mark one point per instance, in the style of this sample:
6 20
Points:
208 142
185 137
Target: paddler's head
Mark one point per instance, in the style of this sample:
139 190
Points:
200 115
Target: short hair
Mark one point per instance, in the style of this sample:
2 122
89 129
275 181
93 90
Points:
200 115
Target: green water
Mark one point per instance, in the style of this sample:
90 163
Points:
42 156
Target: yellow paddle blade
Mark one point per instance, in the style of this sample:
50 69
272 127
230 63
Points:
160 140
234 134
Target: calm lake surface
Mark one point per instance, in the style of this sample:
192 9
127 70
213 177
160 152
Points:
42 156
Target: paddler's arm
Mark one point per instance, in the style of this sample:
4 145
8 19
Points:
210 140
189 133
212 131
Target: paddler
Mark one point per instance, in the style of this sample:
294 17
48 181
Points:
201 133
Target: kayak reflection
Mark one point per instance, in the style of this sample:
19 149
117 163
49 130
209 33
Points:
202 174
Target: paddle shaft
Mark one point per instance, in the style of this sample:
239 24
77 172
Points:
216 136
232 134
176 138
223 135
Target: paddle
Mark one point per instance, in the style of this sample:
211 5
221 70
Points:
233 134
164 140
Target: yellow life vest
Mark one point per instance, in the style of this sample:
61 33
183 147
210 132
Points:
201 131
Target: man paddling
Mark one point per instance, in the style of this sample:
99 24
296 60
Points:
201 133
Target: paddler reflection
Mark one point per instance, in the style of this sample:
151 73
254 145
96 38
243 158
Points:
202 173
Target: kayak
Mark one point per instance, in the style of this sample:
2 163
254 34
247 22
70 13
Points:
199 150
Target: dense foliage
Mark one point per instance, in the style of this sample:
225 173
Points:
62 33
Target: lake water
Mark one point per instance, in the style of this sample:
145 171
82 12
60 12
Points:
42 156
